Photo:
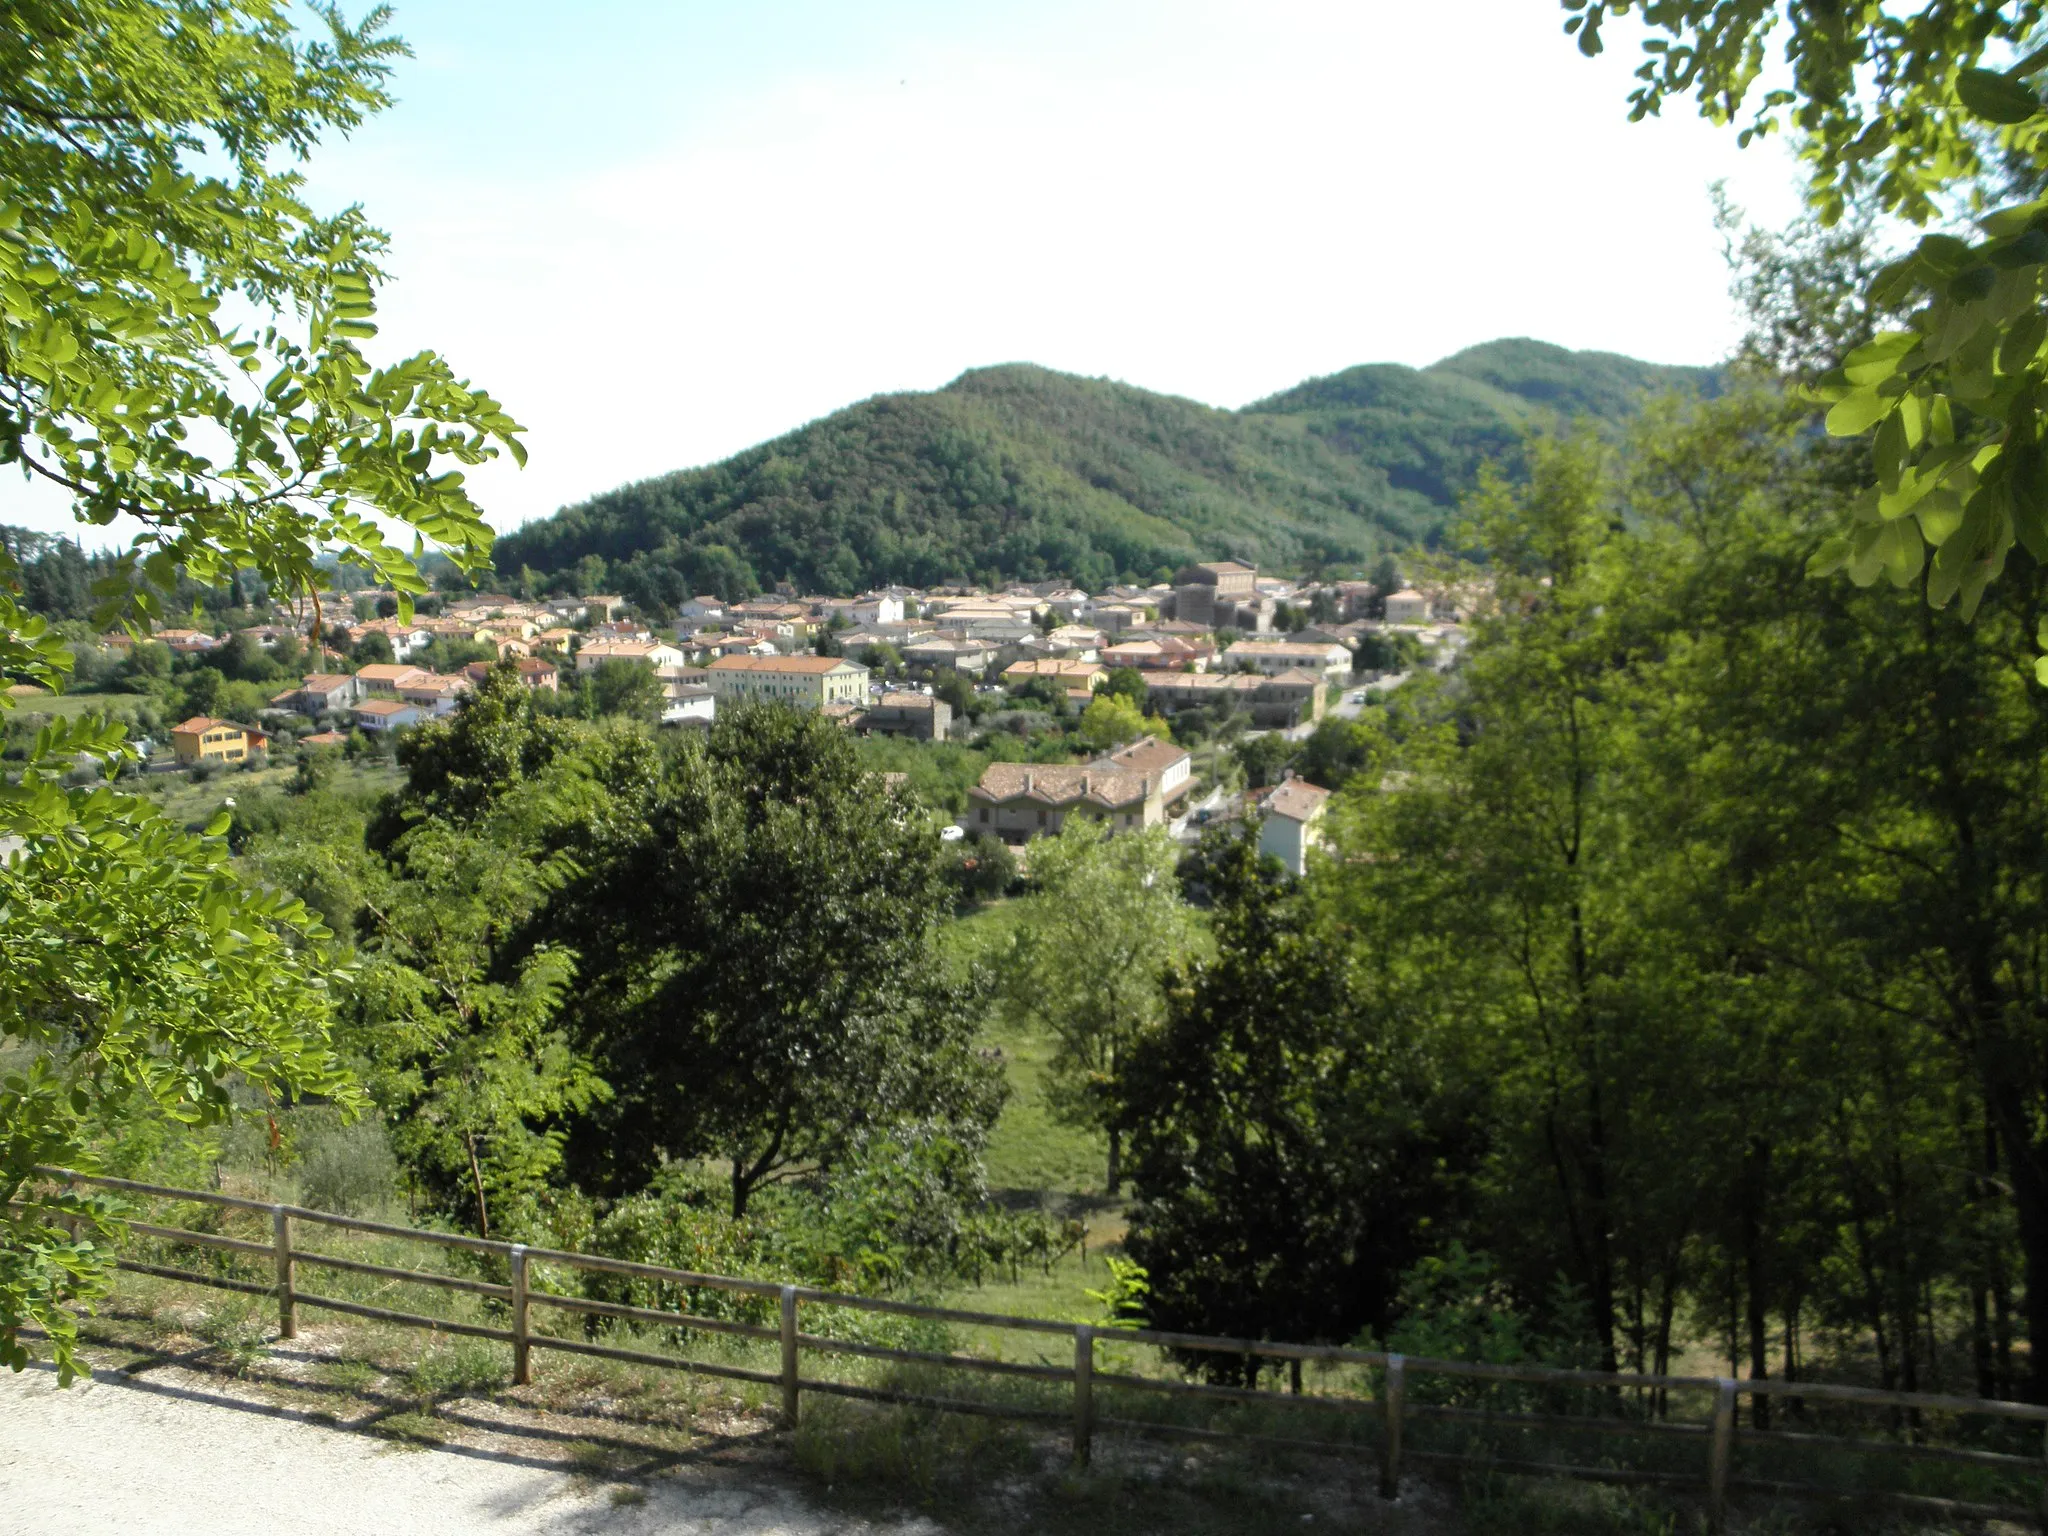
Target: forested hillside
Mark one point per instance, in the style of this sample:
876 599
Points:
1018 472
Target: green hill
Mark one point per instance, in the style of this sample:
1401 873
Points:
1020 473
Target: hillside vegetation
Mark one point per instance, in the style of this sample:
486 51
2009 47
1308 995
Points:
1018 472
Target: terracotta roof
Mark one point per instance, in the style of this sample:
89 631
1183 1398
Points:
1063 784
390 674
1297 799
384 706
1219 682
199 725
904 701
1283 648
1053 667
325 682
324 739
813 664
1148 755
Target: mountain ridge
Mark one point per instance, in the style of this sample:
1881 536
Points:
1014 471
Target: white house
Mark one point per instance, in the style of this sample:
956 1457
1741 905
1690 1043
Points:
1272 657
703 608
1172 768
651 653
1407 606
691 702
1293 810
387 714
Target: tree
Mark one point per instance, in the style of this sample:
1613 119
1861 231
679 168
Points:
629 689
1128 683
466 1056
1295 1138
375 647
882 657
1086 958
1265 757
1914 110
1111 720
761 982
144 149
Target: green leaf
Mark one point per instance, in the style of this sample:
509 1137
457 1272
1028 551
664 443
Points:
2022 343
1996 98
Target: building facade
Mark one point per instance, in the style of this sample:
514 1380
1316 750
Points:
809 682
1020 801
203 739
1293 813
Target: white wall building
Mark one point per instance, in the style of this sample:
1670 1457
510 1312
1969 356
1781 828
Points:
1291 827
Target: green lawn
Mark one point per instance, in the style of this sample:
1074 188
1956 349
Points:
116 706
185 801
1033 1157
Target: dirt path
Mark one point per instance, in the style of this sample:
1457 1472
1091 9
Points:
175 1454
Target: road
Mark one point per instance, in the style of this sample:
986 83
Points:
171 1454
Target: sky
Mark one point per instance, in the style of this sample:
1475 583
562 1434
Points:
664 230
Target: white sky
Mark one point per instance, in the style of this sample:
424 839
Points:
661 231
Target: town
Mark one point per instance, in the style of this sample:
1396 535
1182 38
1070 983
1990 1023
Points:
1219 653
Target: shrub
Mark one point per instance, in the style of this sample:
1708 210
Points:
345 1168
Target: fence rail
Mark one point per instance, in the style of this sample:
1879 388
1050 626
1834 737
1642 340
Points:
1385 1413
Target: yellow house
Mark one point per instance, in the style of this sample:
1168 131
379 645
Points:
807 681
205 740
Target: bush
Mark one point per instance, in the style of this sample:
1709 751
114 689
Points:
980 868
345 1168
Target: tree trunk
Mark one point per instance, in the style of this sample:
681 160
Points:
1113 1178
1756 1172
476 1176
2030 1208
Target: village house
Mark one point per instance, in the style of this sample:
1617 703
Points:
203 739
1272 702
652 653
1167 655
810 682
543 675
916 715
187 642
385 677
1407 606
689 704
1293 811
1172 768
960 655
319 694
1272 657
1219 594
743 645
1074 676
703 608
1019 801
433 694
382 715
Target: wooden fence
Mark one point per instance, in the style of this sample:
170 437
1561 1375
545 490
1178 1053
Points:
1386 1414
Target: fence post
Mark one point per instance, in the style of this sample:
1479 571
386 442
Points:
287 1303
790 1382
1084 1393
1391 1396
522 1345
2044 1476
1717 1466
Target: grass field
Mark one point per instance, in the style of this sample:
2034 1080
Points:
1034 1158
187 801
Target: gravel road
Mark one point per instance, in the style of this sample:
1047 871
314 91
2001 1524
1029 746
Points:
172 1454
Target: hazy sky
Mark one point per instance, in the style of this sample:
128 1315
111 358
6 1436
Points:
663 230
